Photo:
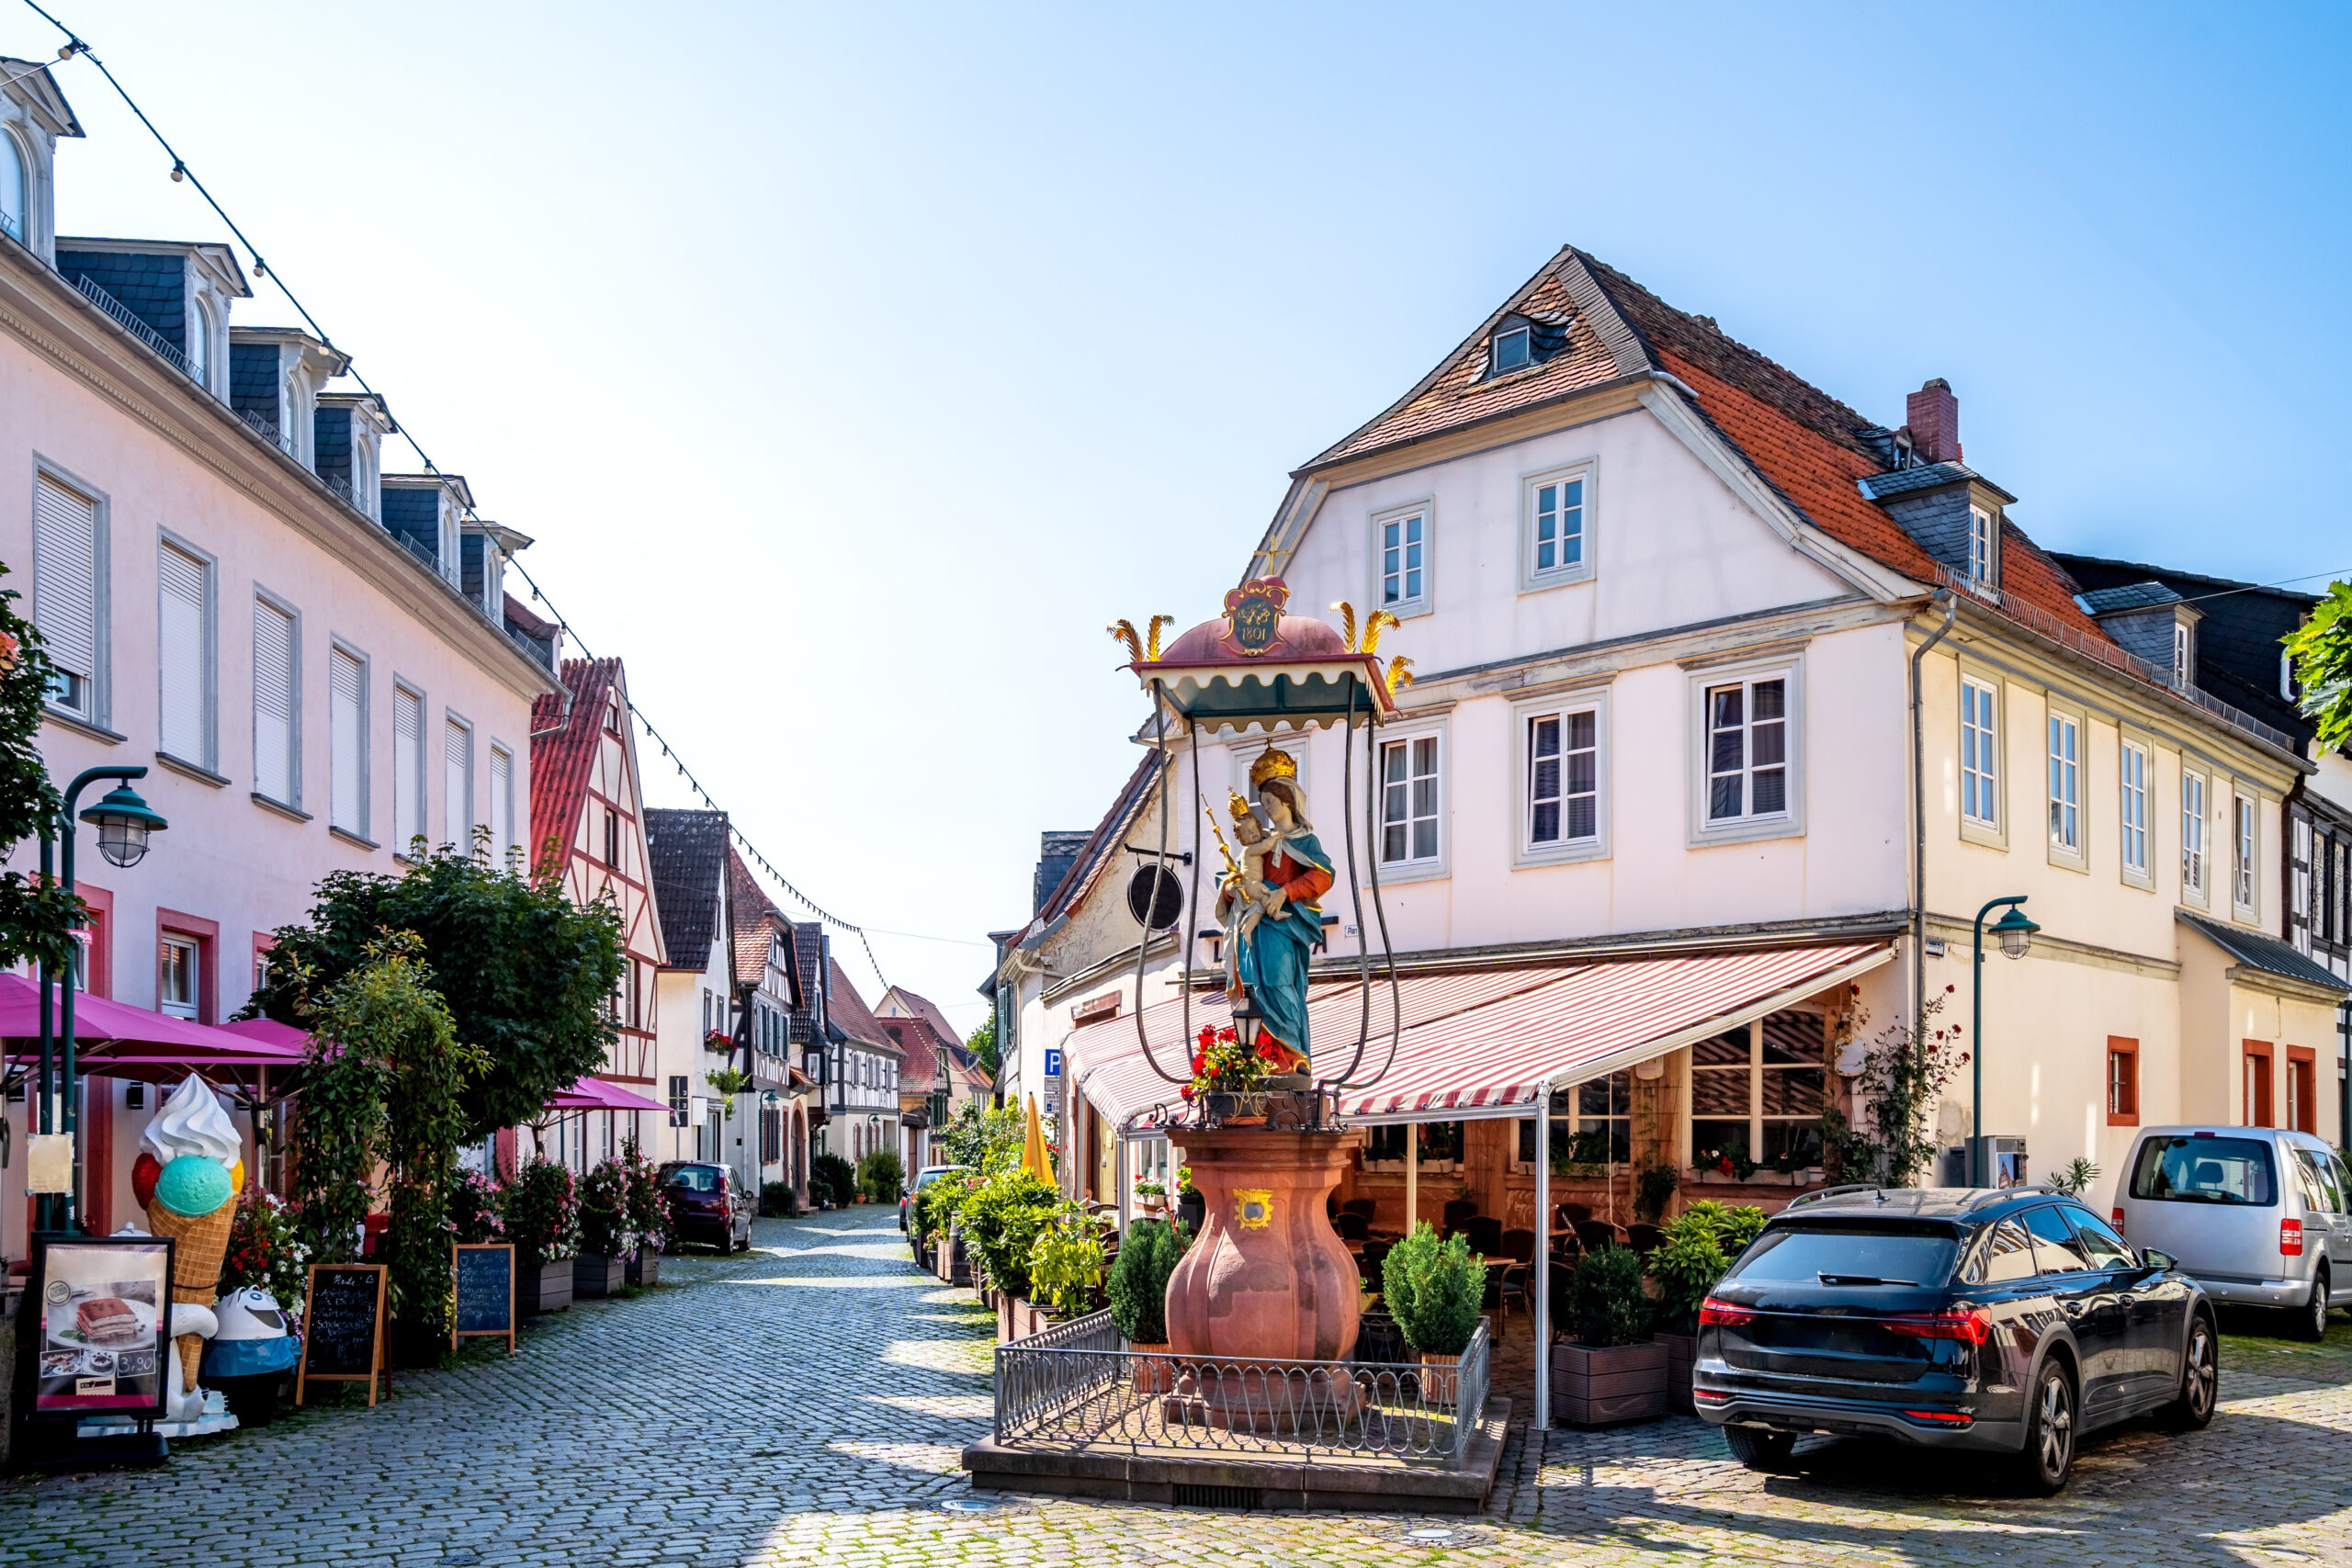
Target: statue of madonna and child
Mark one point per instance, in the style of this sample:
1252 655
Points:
1267 906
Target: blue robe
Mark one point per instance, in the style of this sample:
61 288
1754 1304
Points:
1273 959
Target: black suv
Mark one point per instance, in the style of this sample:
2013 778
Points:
2006 1321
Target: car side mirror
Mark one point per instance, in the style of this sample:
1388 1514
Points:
2156 1258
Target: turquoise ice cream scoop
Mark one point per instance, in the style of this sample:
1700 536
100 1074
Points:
193 1185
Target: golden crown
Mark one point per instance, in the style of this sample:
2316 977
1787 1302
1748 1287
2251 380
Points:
1273 766
1238 806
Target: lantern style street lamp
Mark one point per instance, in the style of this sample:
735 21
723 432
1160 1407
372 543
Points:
2016 934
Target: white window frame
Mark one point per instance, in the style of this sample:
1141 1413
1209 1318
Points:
1397 517
1981 772
1246 751
1525 716
1980 536
463 842
404 843
292 800
502 803
2183 651
1411 868
1788 822
357 828
1495 366
208 761
180 942
1533 577
2065 805
97 713
2195 838
2245 855
2135 814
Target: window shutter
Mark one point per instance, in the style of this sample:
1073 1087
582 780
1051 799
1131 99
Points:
180 652
273 702
346 683
458 805
502 803
408 769
65 589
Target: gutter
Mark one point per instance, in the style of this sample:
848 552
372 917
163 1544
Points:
1919 810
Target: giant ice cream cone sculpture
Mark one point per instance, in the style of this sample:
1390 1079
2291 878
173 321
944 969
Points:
188 1174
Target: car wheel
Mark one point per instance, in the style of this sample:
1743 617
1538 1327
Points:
2310 1321
2200 1380
1757 1448
2048 1433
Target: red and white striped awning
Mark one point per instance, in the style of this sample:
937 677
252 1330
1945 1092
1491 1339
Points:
1483 1043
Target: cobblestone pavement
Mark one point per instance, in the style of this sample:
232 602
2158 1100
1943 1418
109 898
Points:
807 1403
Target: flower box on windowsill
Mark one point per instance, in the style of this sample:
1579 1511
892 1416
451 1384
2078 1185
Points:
1384 1167
1761 1177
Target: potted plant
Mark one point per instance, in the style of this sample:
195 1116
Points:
601 1264
880 1176
648 1214
542 1220
1066 1264
1699 1245
1151 1199
1138 1291
1434 1290
1613 1371
1003 1219
1191 1209
1229 1078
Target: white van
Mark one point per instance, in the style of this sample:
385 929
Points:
2257 1215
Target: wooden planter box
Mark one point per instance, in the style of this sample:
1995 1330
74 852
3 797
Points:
1004 1322
644 1267
1155 1369
1441 1379
1596 1388
597 1274
547 1288
1681 1350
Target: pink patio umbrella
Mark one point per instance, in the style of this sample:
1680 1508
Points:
591 1093
109 1033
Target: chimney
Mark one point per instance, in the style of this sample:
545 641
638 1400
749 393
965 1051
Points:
1933 414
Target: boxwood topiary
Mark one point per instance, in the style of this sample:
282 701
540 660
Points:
1605 1303
1434 1290
1138 1285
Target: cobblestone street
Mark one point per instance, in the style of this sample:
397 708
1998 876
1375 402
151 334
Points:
806 1404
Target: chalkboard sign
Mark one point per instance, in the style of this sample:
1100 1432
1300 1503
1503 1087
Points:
483 1275
343 1326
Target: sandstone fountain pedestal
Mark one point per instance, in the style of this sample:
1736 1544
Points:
1267 1285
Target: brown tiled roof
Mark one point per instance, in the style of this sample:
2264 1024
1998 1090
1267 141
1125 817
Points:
850 1013
1798 439
756 922
563 750
930 1013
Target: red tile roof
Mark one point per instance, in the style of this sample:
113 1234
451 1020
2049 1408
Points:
563 752
930 1013
848 1009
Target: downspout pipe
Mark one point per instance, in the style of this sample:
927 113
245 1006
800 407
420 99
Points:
1919 810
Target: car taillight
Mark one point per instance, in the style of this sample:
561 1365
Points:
1709 1396
1970 1328
2115 1217
1722 1314
1941 1417
2290 1239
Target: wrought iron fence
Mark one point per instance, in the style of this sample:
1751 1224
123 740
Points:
1075 1384
129 321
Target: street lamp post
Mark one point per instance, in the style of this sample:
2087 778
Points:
124 821
2016 932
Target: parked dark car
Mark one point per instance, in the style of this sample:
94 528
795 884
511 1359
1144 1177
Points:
2008 1321
705 1205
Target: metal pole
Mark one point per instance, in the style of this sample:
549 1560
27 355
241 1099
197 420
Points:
1412 1177
1543 1282
68 1122
2343 1075
1976 1048
42 1118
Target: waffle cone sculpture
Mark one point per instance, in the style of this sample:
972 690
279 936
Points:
196 1267
188 1174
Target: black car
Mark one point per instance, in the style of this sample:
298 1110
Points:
2008 1321
706 1205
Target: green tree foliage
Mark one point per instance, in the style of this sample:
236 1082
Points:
881 1177
1606 1303
528 977
37 919
1066 1260
1138 1288
1698 1246
339 1136
2321 651
1003 1222
1434 1288
983 1139
981 1043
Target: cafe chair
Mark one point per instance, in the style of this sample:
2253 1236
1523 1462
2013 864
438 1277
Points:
1519 1245
1485 1233
1569 1214
1369 1208
1351 1228
1643 1239
1459 1212
1563 1280
1594 1235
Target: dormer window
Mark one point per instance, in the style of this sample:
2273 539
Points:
1513 349
2180 656
16 190
1980 545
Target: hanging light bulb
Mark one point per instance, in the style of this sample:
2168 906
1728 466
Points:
179 170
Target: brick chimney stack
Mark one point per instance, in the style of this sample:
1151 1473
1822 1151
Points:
1933 414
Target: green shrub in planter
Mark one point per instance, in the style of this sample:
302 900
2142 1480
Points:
542 1213
1138 1287
1698 1249
835 1178
604 1210
880 1176
1001 1221
1606 1304
777 1199
1434 1288
1066 1261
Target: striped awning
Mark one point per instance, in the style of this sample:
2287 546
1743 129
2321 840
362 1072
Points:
1483 1043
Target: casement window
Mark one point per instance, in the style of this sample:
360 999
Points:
502 803
1759 1090
1409 802
1555 519
1980 545
2065 785
347 741
277 737
2255 1105
1980 767
1400 547
2133 812
70 595
2181 673
457 783
612 837
2300 1080
1561 815
16 191
680 1107
1748 752
2242 847
178 976
183 648
1513 349
2192 837
2122 1081
408 770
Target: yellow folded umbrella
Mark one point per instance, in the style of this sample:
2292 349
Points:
1032 1150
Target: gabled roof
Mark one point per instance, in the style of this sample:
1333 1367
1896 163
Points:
758 922
1099 851
689 849
808 960
929 1011
2257 951
1815 451
563 750
852 1016
2128 596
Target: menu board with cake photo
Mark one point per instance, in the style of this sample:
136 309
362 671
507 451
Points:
104 1305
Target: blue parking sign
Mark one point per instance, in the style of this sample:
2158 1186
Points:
1053 1061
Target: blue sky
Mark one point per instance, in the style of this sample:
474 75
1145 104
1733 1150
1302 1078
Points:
854 366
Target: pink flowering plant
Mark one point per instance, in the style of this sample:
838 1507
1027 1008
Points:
1905 1072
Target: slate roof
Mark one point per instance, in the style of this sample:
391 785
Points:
2129 596
563 754
1925 476
2266 954
808 960
851 1014
689 849
1816 451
